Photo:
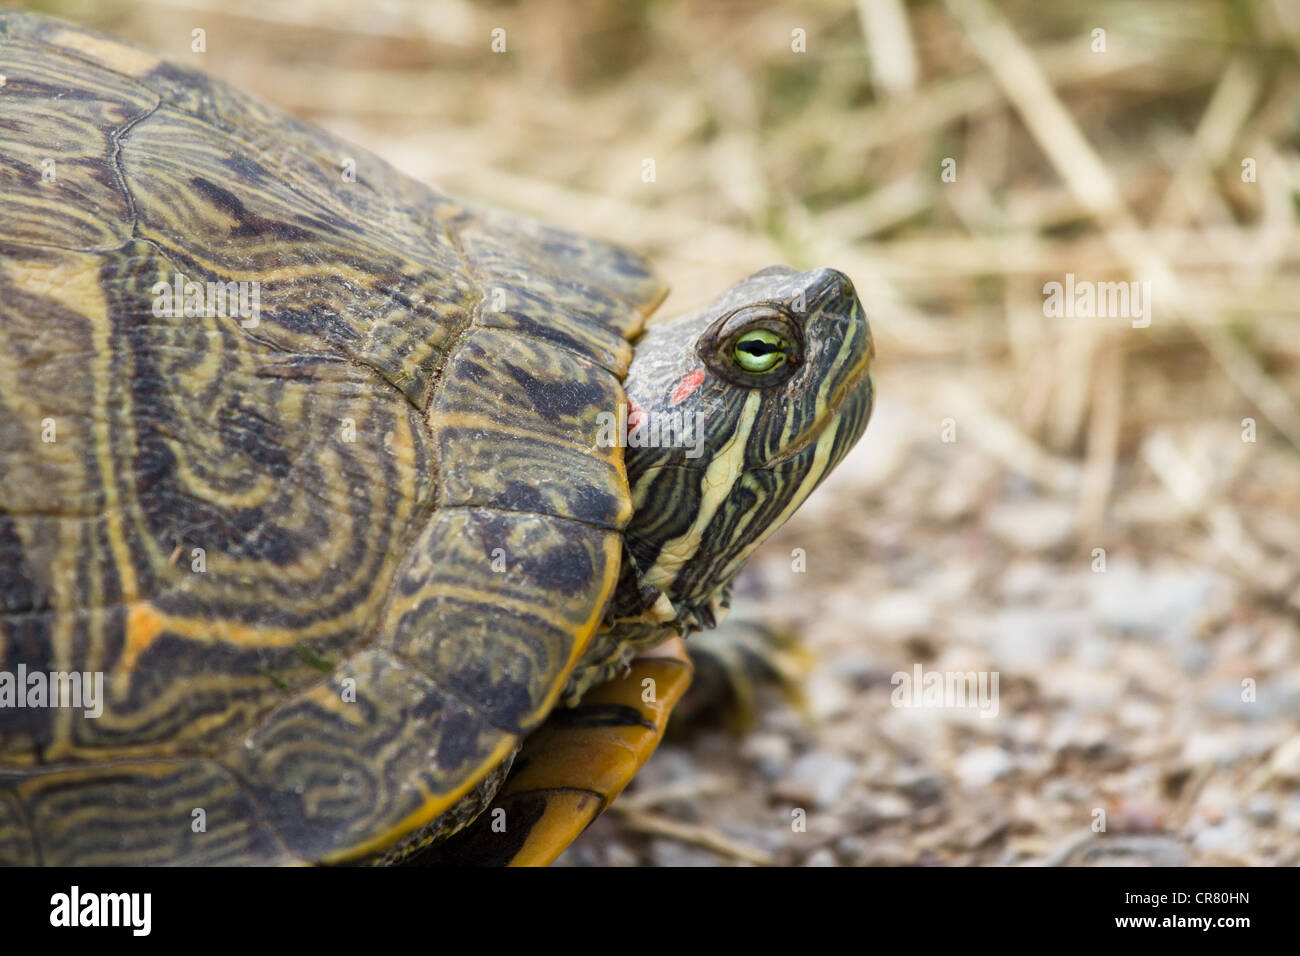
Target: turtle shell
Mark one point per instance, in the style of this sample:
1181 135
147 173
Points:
330 546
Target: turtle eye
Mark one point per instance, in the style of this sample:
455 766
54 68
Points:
760 350
754 346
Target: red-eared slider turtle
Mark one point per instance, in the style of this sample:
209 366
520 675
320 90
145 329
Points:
314 494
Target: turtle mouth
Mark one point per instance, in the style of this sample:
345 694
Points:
849 390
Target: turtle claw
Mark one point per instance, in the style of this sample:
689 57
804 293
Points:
733 664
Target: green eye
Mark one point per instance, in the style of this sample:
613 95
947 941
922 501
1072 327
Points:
760 350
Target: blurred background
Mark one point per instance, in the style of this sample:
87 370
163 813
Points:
1103 510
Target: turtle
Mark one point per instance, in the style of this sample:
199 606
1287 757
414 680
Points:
343 521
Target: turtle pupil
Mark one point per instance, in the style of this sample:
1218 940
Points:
760 351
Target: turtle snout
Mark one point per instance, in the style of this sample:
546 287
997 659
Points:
832 291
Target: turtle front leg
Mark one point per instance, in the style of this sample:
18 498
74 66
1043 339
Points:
571 768
733 662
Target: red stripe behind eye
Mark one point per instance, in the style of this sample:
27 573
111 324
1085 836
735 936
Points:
687 385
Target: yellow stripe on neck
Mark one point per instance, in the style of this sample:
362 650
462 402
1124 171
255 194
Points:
720 477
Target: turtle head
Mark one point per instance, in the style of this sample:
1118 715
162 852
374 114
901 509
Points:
736 413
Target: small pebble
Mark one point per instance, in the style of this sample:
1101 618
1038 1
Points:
983 765
770 752
1232 837
1285 762
824 776
1262 809
921 785
1290 818
1032 526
